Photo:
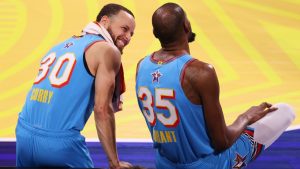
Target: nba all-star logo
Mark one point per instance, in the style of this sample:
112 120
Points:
155 76
67 45
239 161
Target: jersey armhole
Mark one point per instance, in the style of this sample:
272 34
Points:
86 66
138 68
84 59
182 73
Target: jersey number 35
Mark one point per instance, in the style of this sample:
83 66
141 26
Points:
162 101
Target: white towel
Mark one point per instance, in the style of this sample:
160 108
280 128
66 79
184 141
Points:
96 28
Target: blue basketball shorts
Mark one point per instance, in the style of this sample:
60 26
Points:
43 148
243 151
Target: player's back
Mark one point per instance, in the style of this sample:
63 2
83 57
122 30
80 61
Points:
62 96
176 125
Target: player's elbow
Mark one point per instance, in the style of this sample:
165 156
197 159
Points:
220 148
102 111
220 145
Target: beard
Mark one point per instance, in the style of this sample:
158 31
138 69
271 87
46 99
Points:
191 37
114 38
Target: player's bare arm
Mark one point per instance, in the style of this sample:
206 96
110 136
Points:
203 79
104 62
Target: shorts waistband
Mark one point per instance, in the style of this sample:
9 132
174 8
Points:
45 132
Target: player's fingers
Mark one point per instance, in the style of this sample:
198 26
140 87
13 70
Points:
264 105
126 164
271 109
268 104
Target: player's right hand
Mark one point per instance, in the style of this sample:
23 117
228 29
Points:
123 165
257 112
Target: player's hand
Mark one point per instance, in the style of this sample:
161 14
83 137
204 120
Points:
122 165
257 112
125 165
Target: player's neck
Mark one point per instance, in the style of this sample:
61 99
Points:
168 54
171 50
175 48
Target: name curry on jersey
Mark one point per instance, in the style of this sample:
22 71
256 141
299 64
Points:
41 95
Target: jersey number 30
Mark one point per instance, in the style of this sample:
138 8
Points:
162 97
69 59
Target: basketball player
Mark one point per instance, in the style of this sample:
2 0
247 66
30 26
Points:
76 77
179 98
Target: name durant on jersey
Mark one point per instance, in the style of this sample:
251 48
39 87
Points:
164 136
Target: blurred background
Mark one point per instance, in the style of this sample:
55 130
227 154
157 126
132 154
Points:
253 45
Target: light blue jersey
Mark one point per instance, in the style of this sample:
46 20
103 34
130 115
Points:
177 126
62 96
57 108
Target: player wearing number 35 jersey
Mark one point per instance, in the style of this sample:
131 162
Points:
75 77
179 98
176 125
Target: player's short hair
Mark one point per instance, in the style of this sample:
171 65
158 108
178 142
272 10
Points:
167 21
112 9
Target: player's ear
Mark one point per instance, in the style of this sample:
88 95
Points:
186 26
155 34
105 21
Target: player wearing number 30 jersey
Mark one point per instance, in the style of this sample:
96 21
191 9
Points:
77 76
63 63
53 103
